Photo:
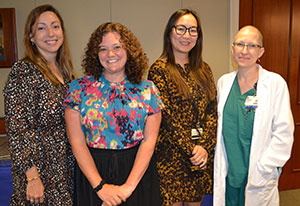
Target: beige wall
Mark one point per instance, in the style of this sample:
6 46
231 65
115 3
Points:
146 18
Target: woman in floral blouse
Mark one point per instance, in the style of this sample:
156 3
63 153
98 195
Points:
113 117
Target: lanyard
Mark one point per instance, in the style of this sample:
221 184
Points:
198 128
195 109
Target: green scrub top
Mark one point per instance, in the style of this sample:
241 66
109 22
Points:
237 135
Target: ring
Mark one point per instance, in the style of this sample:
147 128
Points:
202 159
32 201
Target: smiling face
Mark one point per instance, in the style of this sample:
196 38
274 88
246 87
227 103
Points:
183 44
47 34
246 57
113 57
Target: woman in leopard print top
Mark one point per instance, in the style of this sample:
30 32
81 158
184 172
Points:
187 88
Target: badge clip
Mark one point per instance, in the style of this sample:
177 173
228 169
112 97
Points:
196 133
251 102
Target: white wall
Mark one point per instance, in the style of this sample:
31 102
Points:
146 18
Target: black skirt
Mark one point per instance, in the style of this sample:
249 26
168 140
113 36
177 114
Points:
114 167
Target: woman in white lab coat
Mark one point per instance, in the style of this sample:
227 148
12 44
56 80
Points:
255 128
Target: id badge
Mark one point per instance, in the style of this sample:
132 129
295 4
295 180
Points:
251 102
196 133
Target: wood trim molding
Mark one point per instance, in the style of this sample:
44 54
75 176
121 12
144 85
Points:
246 6
2 125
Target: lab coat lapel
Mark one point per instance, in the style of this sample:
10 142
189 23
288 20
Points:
259 115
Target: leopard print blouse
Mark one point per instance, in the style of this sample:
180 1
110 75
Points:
179 180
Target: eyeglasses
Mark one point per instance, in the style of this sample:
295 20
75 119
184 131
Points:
181 30
249 46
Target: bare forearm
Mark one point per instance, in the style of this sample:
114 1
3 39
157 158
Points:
141 163
86 164
79 147
145 150
109 194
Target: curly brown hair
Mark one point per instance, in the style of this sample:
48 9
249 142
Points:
137 61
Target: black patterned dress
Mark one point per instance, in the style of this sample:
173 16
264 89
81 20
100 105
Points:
179 181
36 135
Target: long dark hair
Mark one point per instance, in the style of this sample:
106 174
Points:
33 55
199 69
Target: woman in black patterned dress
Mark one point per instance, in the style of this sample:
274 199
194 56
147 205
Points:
42 162
187 137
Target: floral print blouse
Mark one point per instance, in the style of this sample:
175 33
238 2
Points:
113 115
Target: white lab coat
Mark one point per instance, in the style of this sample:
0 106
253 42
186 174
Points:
271 141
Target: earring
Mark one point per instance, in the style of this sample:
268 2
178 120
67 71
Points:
258 59
32 43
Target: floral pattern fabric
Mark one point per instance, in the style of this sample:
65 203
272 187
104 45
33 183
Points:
113 115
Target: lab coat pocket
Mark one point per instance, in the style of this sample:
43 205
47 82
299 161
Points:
260 178
262 188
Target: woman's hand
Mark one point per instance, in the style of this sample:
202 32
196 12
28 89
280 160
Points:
199 157
111 195
126 189
35 191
